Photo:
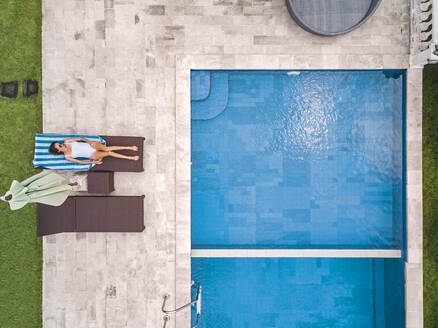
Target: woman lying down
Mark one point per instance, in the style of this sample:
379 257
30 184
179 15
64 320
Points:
81 147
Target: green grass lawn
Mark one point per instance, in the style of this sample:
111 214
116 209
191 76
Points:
20 119
430 194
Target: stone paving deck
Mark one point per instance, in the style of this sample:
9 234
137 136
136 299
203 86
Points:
121 67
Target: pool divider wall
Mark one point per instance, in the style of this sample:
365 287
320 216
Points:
294 253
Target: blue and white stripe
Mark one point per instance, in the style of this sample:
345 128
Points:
43 158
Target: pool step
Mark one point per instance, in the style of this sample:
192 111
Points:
379 293
199 85
217 100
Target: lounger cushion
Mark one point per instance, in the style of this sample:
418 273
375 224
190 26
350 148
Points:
56 219
122 165
92 214
109 214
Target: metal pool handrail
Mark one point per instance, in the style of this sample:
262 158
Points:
166 318
196 302
198 305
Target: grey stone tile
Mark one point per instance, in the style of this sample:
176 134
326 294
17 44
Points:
193 10
100 29
155 10
108 4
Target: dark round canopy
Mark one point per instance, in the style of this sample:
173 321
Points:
331 17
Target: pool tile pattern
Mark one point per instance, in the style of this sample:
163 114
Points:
298 293
309 159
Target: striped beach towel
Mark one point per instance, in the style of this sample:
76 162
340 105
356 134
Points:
43 158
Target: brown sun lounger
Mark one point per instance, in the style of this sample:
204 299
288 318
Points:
43 158
122 165
92 214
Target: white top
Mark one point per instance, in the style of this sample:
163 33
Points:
81 149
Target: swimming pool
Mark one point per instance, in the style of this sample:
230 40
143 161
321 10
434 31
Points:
306 159
285 160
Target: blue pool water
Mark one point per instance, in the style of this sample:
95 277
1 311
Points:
300 293
313 160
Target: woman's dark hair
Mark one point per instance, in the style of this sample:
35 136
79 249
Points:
53 150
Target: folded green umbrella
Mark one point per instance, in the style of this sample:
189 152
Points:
46 187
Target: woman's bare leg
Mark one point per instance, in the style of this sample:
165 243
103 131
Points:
102 154
117 155
100 147
99 155
110 148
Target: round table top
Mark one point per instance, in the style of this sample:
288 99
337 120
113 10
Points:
331 17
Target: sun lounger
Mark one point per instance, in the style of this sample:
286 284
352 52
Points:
42 157
122 165
92 214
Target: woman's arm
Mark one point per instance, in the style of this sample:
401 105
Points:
86 140
78 139
71 159
72 140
